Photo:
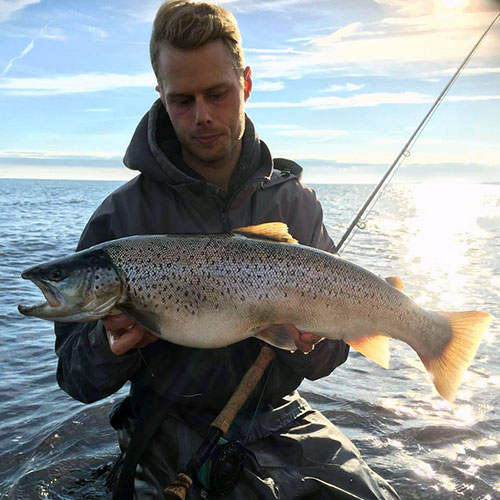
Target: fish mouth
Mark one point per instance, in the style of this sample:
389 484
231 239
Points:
54 299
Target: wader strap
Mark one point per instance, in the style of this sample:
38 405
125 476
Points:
154 408
153 412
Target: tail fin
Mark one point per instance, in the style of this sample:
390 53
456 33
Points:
467 329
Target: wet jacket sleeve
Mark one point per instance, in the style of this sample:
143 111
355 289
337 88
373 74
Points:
327 354
87 369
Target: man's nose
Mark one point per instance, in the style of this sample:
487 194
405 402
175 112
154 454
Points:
202 112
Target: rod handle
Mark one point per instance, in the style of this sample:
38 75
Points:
178 488
244 389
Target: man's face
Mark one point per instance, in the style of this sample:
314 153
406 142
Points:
205 100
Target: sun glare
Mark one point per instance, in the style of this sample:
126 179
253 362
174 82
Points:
441 235
451 5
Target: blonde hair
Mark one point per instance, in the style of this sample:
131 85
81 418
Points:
187 25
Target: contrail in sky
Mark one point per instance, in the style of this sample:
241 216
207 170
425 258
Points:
28 49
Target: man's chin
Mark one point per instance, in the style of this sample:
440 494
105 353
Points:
209 156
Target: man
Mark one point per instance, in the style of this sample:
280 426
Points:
204 170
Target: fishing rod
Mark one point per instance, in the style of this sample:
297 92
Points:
406 148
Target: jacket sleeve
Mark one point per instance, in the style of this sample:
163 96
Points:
87 369
327 354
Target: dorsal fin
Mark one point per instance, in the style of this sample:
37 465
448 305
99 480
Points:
275 231
395 282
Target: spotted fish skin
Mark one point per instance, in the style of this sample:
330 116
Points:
185 287
210 291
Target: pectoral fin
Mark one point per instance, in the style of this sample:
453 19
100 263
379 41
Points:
374 347
276 335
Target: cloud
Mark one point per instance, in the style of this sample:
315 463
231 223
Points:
67 173
313 135
266 86
10 7
287 50
292 130
472 71
348 87
258 5
368 100
402 44
358 100
336 36
57 155
97 110
97 32
75 84
26 50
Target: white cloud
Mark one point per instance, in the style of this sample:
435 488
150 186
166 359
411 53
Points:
368 100
422 45
402 140
336 36
348 87
57 155
97 32
9 7
26 50
311 134
287 50
358 100
293 130
473 71
74 84
266 86
258 5
67 173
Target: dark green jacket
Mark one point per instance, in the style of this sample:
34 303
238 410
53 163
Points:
168 197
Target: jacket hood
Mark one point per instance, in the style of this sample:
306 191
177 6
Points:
156 152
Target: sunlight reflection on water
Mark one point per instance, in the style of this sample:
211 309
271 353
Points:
440 234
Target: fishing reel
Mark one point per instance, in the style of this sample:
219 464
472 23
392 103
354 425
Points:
222 469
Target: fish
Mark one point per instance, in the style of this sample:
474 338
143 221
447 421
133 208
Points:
213 290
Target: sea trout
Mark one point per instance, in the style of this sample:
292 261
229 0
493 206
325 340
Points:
209 291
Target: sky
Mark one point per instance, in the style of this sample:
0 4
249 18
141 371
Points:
339 86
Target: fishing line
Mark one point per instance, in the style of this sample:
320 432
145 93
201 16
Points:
405 152
254 416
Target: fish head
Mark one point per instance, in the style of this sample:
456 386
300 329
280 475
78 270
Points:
82 287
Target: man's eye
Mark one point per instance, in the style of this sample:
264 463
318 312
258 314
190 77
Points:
215 96
185 101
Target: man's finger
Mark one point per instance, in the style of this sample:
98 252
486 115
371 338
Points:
117 321
126 341
310 338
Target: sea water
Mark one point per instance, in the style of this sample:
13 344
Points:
443 241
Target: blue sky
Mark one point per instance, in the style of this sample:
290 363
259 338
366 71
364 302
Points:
339 86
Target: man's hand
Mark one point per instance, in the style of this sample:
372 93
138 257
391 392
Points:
124 334
305 341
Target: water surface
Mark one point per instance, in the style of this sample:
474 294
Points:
442 240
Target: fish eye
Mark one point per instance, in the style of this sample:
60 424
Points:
55 275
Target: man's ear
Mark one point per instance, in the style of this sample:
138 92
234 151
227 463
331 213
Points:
247 82
157 88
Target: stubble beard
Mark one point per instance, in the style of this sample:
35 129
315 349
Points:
214 158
